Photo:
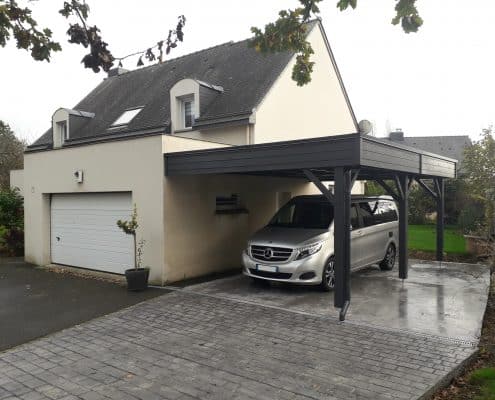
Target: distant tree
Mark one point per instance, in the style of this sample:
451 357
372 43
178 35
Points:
17 23
421 205
11 154
371 188
11 222
479 166
287 33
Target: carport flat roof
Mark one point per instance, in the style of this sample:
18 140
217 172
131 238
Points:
373 157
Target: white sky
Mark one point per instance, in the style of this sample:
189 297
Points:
439 81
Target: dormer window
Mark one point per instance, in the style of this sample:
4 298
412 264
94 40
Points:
62 131
67 123
184 105
127 116
187 113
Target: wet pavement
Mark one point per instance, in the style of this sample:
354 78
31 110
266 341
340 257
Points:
444 299
229 339
187 346
35 302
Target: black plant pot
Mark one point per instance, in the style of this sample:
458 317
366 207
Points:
137 279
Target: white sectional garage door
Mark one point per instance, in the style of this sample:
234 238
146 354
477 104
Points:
84 232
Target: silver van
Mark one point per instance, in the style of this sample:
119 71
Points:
297 244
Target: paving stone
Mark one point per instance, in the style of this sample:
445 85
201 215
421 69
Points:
188 346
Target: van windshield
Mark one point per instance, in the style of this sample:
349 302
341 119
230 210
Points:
304 214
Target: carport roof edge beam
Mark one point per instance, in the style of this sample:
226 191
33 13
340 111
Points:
376 159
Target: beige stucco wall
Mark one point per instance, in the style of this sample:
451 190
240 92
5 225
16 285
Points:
173 144
198 241
358 187
17 180
290 112
234 135
124 166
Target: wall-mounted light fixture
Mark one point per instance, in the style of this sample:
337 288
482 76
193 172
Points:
79 176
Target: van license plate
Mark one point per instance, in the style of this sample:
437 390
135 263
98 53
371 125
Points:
266 268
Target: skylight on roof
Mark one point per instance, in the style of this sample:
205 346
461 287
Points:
127 116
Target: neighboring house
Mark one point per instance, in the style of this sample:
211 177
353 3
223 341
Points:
106 154
448 146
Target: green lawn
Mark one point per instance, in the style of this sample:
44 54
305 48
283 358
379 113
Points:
484 380
423 238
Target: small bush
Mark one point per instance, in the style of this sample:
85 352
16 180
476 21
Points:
12 222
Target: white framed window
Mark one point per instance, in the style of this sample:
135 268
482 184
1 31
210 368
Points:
127 116
62 131
187 112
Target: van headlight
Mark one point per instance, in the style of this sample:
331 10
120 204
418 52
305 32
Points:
307 251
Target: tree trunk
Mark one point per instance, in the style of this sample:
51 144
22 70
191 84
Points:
135 251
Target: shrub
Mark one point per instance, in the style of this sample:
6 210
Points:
471 217
12 222
420 206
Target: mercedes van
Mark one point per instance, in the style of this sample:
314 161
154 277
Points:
297 245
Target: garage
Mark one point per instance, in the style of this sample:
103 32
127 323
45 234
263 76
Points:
84 231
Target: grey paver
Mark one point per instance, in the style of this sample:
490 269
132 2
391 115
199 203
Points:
191 346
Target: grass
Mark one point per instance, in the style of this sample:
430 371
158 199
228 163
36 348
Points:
484 380
423 238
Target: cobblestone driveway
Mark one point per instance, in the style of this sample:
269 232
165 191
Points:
189 346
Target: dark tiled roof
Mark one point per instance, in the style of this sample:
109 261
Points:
244 74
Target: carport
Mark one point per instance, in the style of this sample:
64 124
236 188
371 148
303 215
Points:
342 159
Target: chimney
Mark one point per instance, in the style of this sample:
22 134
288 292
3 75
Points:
397 135
117 71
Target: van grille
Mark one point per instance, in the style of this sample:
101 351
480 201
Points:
274 275
278 254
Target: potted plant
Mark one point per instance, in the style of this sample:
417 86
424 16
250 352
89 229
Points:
137 277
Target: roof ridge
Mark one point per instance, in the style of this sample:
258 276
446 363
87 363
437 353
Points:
230 42
435 136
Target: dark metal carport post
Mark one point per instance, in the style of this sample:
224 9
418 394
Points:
342 240
440 200
401 196
403 187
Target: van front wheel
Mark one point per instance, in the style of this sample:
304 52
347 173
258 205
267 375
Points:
328 276
388 261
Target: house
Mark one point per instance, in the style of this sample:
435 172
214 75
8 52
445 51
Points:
448 146
106 154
